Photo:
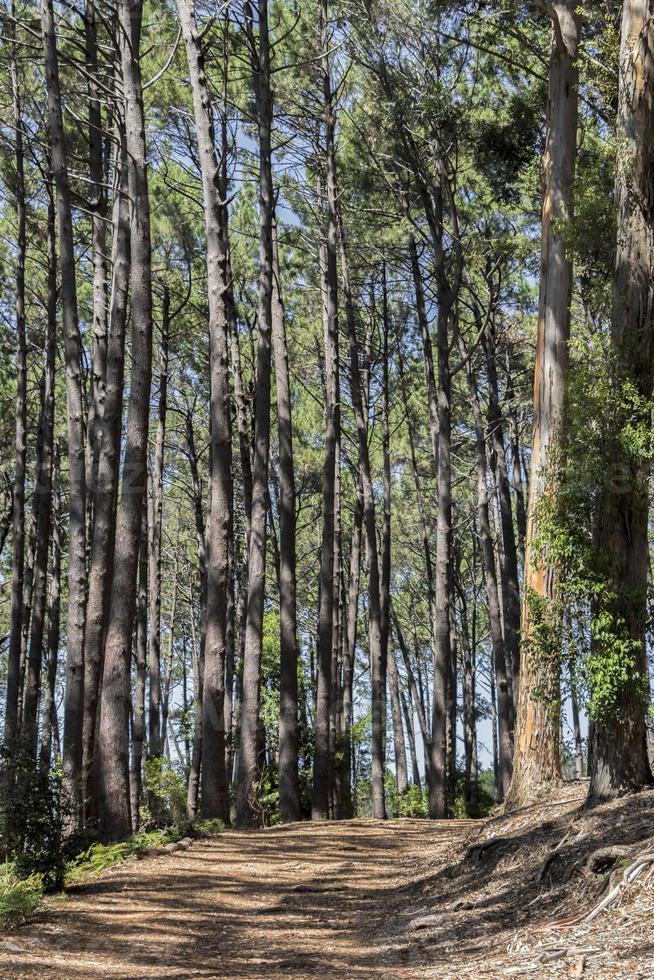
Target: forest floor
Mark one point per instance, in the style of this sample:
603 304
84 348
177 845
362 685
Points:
402 899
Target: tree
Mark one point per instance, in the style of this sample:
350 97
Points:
536 760
618 752
113 736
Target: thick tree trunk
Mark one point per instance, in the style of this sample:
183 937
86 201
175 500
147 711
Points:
618 752
106 489
113 736
289 791
214 798
74 694
249 747
536 763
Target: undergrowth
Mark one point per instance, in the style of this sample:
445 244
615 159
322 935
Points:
20 896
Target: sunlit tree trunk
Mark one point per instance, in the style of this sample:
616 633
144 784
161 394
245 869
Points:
113 736
109 425
536 763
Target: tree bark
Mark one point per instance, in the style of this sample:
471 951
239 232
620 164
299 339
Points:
74 694
249 747
321 768
618 752
18 509
155 530
349 652
504 708
289 790
42 504
113 737
50 731
536 763
376 650
106 489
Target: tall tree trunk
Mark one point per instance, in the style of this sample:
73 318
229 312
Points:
198 649
407 709
505 721
618 752
399 748
401 776
140 660
18 511
470 783
43 503
508 555
289 790
108 463
349 652
425 335
442 581
155 529
536 763
74 694
376 650
97 177
113 736
50 731
248 765
320 791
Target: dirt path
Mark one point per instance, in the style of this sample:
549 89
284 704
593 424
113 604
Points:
305 900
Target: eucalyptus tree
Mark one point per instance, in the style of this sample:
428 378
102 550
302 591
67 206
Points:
618 751
536 759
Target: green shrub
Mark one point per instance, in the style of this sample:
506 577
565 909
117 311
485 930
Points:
98 857
19 897
32 816
207 828
164 795
412 802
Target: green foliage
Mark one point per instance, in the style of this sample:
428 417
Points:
603 454
165 795
19 897
98 857
413 802
32 819
207 828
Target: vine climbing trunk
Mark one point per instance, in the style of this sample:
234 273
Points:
618 751
536 763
